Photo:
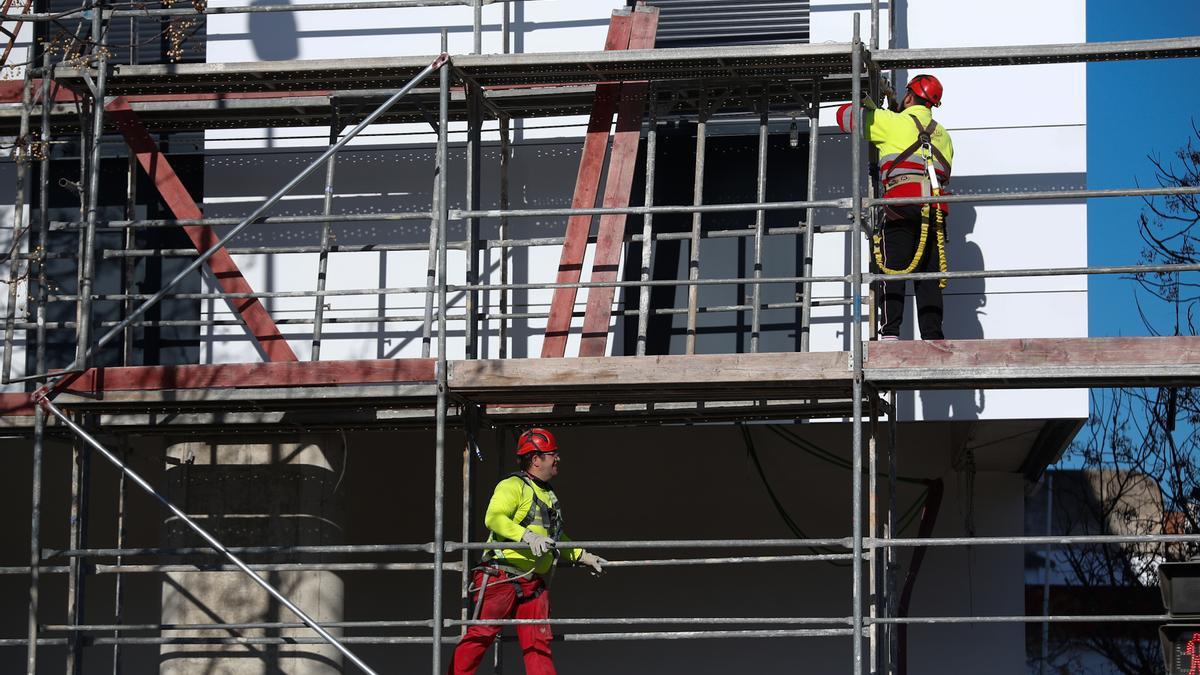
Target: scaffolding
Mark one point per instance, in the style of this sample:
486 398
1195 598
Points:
744 83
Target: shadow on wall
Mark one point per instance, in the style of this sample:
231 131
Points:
274 35
965 303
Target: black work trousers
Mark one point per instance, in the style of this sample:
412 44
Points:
900 239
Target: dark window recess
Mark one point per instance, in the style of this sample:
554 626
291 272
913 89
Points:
153 345
709 23
729 178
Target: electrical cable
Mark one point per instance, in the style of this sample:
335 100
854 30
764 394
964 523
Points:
779 508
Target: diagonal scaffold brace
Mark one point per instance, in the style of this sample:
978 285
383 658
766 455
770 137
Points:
46 393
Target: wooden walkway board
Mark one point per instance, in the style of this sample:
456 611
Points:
816 378
251 310
657 374
1029 352
1034 362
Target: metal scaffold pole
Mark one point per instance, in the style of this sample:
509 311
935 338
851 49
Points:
39 416
760 216
810 216
474 175
335 126
648 224
892 648
856 346
92 181
693 293
439 479
77 573
874 525
23 150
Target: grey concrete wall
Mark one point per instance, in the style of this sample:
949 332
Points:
250 493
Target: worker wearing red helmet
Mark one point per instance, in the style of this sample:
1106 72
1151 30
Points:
915 154
512 582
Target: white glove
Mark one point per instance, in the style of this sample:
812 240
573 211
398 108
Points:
539 544
593 561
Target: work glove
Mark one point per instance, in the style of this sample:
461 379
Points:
538 543
593 561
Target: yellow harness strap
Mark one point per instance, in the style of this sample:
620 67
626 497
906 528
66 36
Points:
939 220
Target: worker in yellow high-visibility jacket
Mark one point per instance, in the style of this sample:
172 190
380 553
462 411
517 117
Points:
915 154
512 582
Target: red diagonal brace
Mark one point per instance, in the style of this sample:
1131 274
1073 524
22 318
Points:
258 321
587 184
609 241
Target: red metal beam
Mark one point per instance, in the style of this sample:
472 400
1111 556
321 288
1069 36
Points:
623 159
95 381
256 318
587 184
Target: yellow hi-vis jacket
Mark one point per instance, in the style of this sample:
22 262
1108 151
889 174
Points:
512 502
892 133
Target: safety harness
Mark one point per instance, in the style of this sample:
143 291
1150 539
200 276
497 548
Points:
546 516
930 187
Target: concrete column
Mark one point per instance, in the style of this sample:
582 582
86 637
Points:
256 493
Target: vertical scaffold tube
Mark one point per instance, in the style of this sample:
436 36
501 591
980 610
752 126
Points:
471 418
477 27
505 150
474 173
693 292
118 586
83 328
648 224
35 553
890 553
326 226
810 217
873 525
39 416
76 569
439 480
856 345
760 217
20 222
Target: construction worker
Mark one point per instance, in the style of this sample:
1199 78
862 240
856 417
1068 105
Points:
514 582
915 154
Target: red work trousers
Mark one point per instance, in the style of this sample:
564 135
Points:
501 601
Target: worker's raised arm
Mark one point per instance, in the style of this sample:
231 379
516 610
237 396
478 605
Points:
506 499
877 121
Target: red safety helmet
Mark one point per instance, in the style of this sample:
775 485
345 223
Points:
536 440
927 87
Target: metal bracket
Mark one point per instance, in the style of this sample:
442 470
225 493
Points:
91 84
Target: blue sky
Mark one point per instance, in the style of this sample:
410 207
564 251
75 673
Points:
1135 108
